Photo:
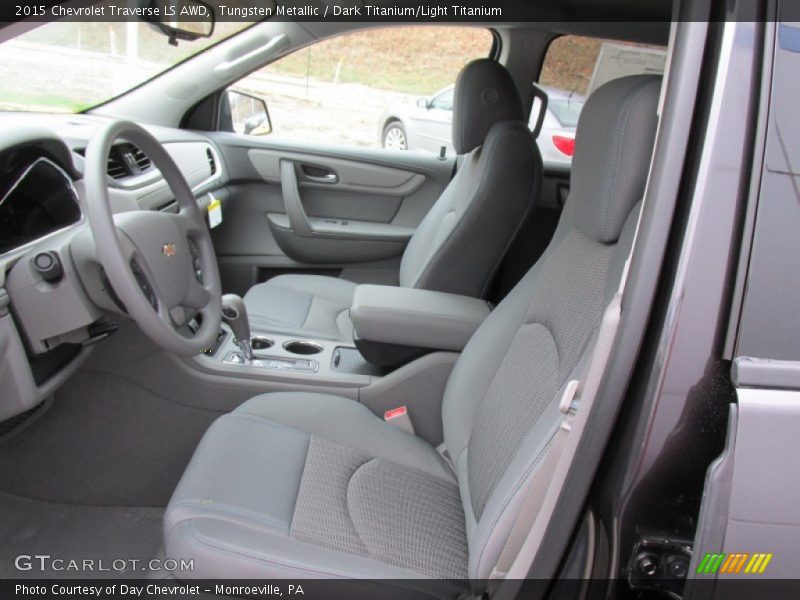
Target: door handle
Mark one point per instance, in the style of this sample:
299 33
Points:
318 174
327 178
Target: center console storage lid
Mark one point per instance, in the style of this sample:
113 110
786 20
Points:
415 318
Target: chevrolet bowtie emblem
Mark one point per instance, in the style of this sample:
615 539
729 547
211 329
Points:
168 250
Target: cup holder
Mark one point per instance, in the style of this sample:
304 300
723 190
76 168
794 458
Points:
261 343
304 348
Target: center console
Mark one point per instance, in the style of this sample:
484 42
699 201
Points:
406 343
272 351
276 352
393 327
256 354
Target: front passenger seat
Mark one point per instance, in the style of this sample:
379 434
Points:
310 485
460 242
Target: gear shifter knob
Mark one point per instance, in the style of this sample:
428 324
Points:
234 313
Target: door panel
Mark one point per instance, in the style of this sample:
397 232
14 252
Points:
338 174
341 204
349 208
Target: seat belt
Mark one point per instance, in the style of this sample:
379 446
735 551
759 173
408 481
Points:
540 482
457 165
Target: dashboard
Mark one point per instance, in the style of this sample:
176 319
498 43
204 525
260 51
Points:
47 324
42 162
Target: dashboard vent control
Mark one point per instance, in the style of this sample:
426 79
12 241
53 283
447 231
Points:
212 162
142 160
127 160
114 168
124 160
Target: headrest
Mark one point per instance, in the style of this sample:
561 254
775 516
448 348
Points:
485 94
613 147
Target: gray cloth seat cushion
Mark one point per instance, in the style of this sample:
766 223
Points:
293 484
308 305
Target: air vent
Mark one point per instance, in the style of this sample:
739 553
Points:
212 162
141 159
114 168
124 160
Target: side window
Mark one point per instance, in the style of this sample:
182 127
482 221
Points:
573 68
444 101
388 87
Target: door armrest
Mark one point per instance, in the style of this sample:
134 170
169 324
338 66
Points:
347 229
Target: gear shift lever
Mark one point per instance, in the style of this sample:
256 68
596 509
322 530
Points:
234 313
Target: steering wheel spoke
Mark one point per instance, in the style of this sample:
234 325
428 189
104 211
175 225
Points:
197 296
187 222
177 316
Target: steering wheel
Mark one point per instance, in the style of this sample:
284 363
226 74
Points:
161 266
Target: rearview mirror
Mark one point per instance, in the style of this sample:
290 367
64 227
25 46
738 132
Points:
248 113
186 20
423 103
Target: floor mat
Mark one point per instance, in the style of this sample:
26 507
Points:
114 535
105 441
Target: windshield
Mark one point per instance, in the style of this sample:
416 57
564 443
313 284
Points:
566 111
71 67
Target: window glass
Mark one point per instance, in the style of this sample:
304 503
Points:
370 88
582 64
68 66
573 68
566 112
444 101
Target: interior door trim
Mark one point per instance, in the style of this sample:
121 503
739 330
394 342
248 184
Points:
290 191
352 175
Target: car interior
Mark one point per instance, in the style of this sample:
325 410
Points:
302 359
459 243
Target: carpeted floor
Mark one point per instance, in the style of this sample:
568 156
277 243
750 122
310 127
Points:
86 476
105 441
74 532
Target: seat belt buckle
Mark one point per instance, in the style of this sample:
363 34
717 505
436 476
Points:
399 417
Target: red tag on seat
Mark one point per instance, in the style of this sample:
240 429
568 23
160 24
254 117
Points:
394 413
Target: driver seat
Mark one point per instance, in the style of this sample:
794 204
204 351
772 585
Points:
460 242
299 484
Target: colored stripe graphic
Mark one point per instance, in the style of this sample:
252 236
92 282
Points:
728 562
734 562
764 564
758 563
701 568
711 562
742 559
721 562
